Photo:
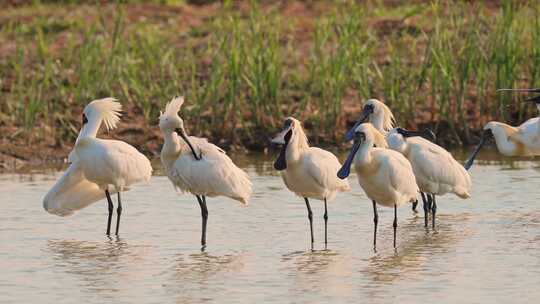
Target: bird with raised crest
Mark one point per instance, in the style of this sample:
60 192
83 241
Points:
99 167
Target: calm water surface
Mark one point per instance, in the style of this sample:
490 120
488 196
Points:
486 249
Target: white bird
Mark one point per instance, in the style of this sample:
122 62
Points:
385 175
98 166
523 140
381 117
196 166
435 169
307 171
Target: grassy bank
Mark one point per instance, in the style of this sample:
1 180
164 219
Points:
243 67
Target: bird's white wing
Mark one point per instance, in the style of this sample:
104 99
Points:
113 158
71 192
437 170
322 166
215 174
401 175
529 135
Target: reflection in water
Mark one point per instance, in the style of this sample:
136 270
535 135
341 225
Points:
311 262
321 272
489 254
191 273
98 265
200 266
416 249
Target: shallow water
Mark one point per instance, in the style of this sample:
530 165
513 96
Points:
486 249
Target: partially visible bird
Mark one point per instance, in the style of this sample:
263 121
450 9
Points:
385 175
435 169
523 140
307 171
196 166
98 167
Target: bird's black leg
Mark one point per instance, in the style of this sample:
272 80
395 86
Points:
310 217
433 212
426 208
395 224
375 222
414 204
118 213
111 207
325 223
204 215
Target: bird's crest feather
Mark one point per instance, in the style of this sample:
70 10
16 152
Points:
107 108
173 107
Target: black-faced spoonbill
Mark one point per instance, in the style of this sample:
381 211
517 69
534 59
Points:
380 116
385 175
196 166
435 169
98 167
523 140
307 171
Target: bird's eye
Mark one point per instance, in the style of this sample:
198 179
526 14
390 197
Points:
369 107
84 119
287 123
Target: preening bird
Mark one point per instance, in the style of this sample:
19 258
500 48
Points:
523 140
435 169
98 167
385 175
307 171
196 166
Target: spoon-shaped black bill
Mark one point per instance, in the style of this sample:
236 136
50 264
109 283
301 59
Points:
281 162
350 133
426 133
368 110
345 170
487 133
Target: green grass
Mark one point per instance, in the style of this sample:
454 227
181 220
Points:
243 70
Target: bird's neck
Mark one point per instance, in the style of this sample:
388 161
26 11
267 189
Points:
295 149
90 129
363 156
377 120
504 145
171 145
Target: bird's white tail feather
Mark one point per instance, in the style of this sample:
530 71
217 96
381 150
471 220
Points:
71 192
242 190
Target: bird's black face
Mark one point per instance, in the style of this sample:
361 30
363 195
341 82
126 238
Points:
359 137
281 162
285 135
366 111
84 119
